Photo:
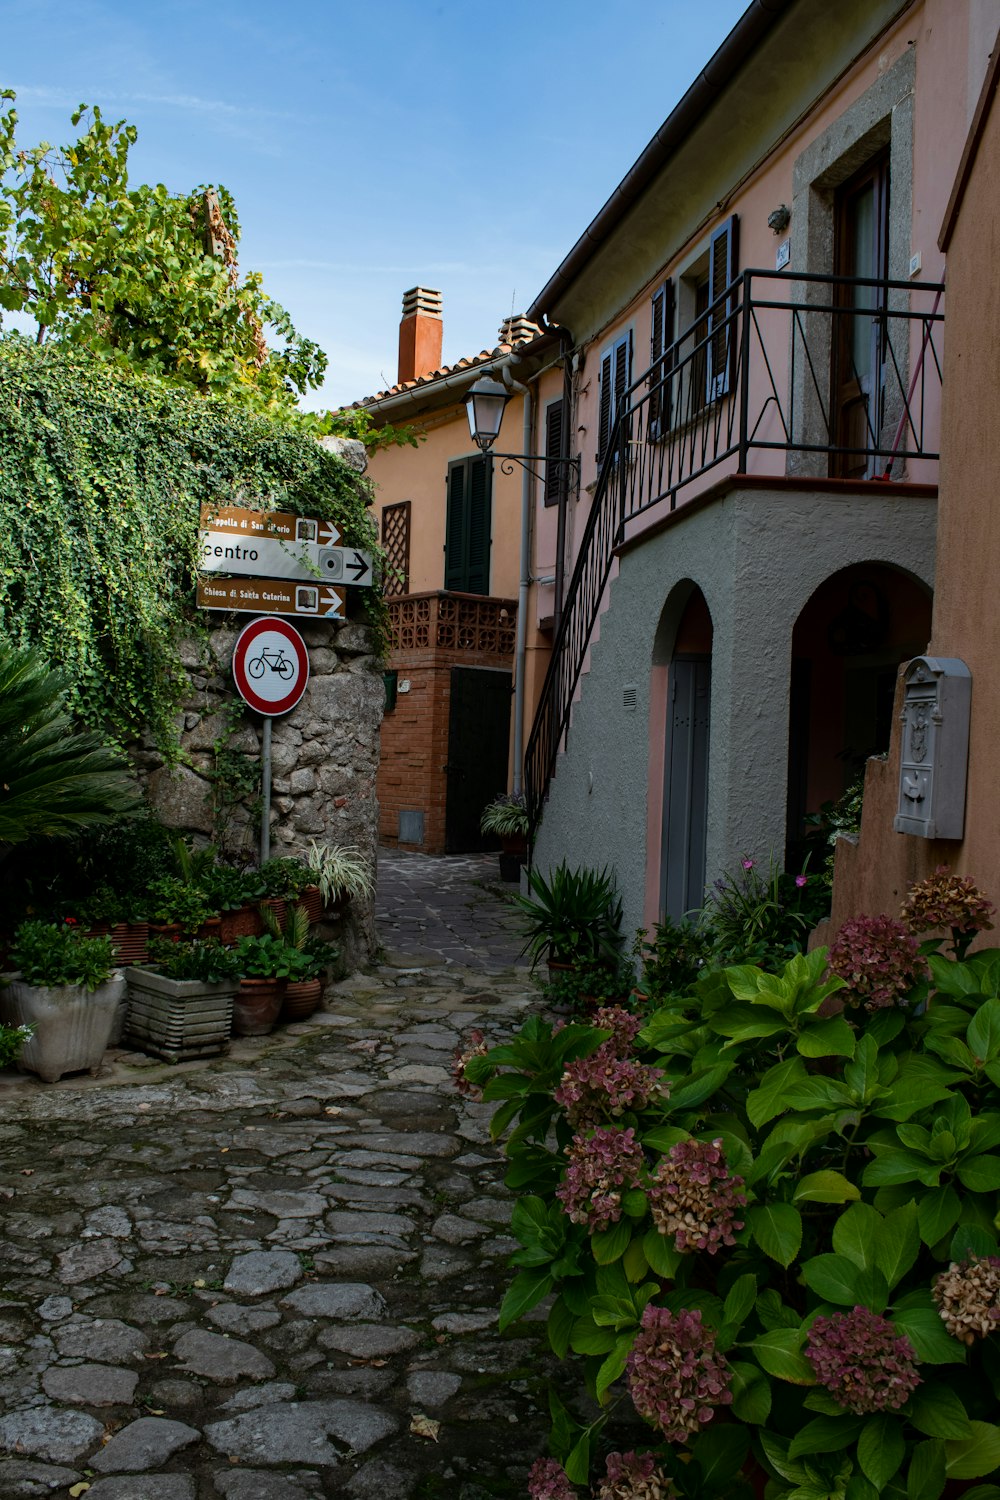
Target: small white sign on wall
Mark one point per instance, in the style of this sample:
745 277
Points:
783 255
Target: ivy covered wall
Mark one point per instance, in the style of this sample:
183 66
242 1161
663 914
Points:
103 472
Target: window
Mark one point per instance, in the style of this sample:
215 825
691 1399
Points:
396 543
660 342
615 379
722 319
467 533
555 473
705 354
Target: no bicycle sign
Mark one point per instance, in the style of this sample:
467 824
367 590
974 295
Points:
270 666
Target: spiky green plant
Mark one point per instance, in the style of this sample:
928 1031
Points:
54 778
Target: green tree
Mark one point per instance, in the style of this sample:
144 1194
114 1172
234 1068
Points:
138 273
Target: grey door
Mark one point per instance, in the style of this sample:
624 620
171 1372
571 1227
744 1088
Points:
685 799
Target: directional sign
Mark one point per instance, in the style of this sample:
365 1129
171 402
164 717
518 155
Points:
282 525
223 553
266 596
270 666
346 565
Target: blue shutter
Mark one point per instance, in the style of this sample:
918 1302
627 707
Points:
723 259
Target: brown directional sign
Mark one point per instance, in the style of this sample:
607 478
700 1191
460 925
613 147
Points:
271 596
280 525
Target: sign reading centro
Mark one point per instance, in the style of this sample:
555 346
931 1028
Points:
270 666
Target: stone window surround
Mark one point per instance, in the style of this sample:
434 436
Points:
881 117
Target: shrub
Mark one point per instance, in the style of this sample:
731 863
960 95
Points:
55 954
768 1223
573 917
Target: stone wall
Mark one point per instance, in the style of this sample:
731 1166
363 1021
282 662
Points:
324 759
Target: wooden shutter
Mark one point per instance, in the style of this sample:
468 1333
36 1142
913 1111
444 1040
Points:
661 340
554 473
723 259
616 377
467 531
605 404
478 554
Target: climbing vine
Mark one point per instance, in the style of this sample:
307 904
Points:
103 471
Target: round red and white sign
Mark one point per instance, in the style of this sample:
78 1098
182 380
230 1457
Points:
270 666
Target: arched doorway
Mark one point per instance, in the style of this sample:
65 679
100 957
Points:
685 769
847 645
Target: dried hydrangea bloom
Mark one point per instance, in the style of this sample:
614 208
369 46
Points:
675 1378
635 1476
622 1024
603 1084
599 1168
863 1362
695 1198
968 1297
476 1048
947 900
547 1480
878 960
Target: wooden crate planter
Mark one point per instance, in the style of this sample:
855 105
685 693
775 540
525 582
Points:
178 1019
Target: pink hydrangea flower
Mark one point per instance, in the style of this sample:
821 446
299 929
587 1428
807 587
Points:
801 880
634 1476
599 1169
863 1362
675 1378
878 960
694 1197
622 1024
476 1048
947 900
968 1297
603 1084
547 1480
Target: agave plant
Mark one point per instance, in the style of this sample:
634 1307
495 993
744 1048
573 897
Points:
573 917
54 778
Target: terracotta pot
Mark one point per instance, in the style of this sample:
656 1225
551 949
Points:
243 922
301 999
211 929
167 931
257 1005
312 900
278 905
129 939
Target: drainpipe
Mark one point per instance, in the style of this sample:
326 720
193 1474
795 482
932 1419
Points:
520 651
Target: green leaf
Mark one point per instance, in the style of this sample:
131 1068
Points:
826 1435
825 1187
831 1038
937 1212
741 1298
525 1292
612 1243
663 1258
855 1234
777 1228
560 1324
699 1087
928 1335
751 1392
983 1035
861 1075
577 1464
872 1289
971 1239
833 1277
778 1352
586 1338
720 1456
927 1476
897 1243
662 1137
980 1174
881 1449
613 1366
975 1456
936 1410
769 1099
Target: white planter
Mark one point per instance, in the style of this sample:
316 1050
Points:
178 1018
72 1027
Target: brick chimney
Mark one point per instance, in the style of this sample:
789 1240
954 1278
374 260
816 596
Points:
420 332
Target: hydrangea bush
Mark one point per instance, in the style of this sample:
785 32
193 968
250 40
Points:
767 1222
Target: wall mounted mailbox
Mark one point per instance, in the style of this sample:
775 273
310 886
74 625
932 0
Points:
935 754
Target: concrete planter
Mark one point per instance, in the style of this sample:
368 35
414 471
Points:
72 1027
178 1018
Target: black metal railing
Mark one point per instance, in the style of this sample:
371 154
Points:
838 374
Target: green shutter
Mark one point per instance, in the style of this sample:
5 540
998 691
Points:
554 472
467 533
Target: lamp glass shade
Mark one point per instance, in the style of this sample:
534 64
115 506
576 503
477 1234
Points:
484 404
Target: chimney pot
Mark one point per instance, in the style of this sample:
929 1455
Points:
420 334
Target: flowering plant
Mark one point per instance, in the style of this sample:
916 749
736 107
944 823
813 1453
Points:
766 1221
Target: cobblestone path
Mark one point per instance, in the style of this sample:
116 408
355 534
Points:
274 1276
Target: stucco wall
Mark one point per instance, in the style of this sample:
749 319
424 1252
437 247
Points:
757 555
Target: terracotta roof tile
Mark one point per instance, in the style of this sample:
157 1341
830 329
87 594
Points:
466 363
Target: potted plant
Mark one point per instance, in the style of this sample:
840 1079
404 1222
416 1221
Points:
303 994
573 918
267 963
506 818
181 1005
235 896
66 989
341 873
176 908
106 913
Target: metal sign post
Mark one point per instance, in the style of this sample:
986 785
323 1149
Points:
265 798
270 669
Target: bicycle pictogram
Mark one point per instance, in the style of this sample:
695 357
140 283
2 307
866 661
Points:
274 661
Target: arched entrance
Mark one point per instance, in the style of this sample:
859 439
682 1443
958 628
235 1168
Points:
848 642
684 821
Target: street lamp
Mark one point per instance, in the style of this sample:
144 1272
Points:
485 405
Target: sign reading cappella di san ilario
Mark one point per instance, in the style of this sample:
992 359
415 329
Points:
275 544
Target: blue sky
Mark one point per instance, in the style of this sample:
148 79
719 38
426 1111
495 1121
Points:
371 148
